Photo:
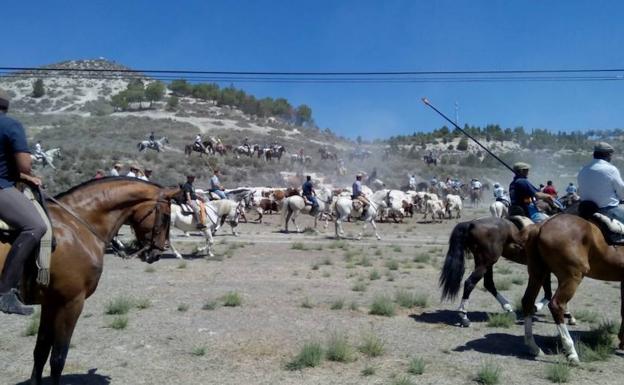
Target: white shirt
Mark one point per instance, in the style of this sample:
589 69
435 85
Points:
412 181
476 184
113 172
499 192
600 182
198 139
143 177
131 174
37 147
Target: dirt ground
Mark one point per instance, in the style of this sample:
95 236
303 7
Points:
290 286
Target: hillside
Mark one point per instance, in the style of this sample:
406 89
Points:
76 115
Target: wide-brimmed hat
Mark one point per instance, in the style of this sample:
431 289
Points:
603 147
118 165
135 167
519 166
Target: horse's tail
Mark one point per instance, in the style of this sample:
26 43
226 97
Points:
286 208
454 264
139 145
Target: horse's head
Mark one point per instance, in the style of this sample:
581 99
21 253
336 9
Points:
150 221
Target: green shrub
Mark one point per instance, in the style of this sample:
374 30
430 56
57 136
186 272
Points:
119 322
232 299
416 366
338 349
118 306
408 300
501 320
488 374
558 372
371 345
310 355
382 305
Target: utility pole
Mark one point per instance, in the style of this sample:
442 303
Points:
456 113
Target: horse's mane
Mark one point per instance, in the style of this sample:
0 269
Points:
92 182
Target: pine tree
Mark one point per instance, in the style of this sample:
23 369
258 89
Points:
38 89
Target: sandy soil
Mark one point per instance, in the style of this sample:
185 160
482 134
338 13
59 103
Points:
251 343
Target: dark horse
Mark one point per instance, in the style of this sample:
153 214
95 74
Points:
84 222
189 148
487 239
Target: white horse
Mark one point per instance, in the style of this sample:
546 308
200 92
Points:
293 205
47 157
498 209
157 145
214 210
343 208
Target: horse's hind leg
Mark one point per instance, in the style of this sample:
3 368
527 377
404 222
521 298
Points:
565 292
43 345
469 285
488 283
65 320
548 296
536 278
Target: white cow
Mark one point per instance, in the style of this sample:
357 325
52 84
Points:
435 208
453 203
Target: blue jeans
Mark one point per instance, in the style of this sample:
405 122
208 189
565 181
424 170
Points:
220 193
615 212
535 215
312 199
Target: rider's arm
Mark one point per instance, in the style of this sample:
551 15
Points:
618 184
24 166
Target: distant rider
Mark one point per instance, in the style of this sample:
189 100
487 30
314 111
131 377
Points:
359 195
15 209
115 170
500 194
523 194
190 198
550 189
199 144
38 151
571 189
601 183
215 185
308 192
412 182
152 139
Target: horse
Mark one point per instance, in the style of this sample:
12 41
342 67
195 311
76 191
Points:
208 149
85 219
215 211
571 248
343 209
157 145
475 197
294 204
278 151
245 150
47 157
430 160
487 239
498 209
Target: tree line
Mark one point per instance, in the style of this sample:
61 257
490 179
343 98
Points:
137 92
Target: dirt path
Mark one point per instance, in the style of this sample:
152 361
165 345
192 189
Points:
291 286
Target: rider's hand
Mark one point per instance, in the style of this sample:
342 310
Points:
32 179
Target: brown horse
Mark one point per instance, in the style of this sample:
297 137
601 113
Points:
571 248
85 220
487 239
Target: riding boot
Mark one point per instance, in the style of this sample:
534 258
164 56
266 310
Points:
21 250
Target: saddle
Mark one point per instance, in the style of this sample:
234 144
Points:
213 196
47 243
612 229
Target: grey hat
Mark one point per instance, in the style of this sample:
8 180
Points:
519 166
603 147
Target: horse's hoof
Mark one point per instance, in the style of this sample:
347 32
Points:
573 359
179 256
464 322
536 351
572 321
508 308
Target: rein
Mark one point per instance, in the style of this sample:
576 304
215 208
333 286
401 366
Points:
73 214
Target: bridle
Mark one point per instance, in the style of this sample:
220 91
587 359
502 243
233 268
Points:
156 228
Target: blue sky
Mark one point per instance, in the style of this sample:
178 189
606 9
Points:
354 36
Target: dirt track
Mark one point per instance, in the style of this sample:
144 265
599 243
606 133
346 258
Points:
251 343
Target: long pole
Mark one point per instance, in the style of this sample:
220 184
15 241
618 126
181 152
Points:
426 101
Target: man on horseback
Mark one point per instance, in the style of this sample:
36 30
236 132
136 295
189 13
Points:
152 140
309 195
246 145
523 194
500 195
15 209
39 154
190 198
198 144
412 182
357 194
475 184
601 183
215 185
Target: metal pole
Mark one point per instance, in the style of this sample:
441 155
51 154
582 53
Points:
426 101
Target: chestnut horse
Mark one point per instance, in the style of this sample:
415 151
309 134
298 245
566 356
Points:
487 239
571 248
85 219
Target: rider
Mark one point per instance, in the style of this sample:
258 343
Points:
15 209
246 144
199 144
571 189
523 193
152 139
38 151
215 185
146 175
134 171
601 183
308 192
357 194
190 199
475 184
115 170
434 181
412 182
500 194
550 189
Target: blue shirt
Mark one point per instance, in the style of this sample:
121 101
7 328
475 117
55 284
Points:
307 188
357 188
12 141
521 192
214 183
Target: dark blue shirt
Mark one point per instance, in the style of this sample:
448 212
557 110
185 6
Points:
307 188
188 188
12 141
521 192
